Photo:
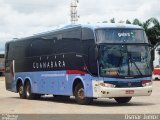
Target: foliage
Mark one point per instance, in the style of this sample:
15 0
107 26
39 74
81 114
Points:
128 22
137 22
112 20
152 29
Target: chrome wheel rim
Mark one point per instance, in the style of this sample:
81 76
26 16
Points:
21 90
81 93
27 91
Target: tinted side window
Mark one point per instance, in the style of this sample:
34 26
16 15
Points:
21 48
87 34
40 46
72 35
10 51
15 50
70 41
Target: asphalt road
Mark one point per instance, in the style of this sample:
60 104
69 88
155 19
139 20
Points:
11 103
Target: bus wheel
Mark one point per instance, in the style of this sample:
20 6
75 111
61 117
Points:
79 95
28 93
122 100
21 91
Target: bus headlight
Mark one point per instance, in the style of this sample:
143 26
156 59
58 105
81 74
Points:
107 85
146 83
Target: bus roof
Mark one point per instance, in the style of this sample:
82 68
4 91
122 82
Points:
96 26
91 26
107 25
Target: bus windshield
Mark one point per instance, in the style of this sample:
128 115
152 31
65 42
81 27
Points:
121 36
124 60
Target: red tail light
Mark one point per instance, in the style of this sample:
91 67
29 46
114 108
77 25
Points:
146 83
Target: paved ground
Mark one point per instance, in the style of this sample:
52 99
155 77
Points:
11 103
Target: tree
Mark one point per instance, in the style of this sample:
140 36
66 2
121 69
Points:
152 29
137 22
128 22
112 20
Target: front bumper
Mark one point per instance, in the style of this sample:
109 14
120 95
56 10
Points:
104 92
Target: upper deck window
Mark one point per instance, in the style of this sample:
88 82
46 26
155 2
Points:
121 36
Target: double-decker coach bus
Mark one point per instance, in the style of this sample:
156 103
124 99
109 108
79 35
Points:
86 61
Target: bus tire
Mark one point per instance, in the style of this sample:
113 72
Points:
29 95
79 95
21 91
122 100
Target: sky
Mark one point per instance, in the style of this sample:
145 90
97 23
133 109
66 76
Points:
21 18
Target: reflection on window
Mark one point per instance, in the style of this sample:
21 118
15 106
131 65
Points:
124 60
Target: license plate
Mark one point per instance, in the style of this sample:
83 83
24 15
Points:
129 91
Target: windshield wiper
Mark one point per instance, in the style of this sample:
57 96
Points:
132 61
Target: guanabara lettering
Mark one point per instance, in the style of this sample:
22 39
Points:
49 64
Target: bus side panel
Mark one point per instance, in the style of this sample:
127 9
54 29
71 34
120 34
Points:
45 60
56 82
47 82
41 82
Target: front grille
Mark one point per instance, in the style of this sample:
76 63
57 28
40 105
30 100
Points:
125 84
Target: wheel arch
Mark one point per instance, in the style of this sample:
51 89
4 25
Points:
27 79
18 82
76 81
